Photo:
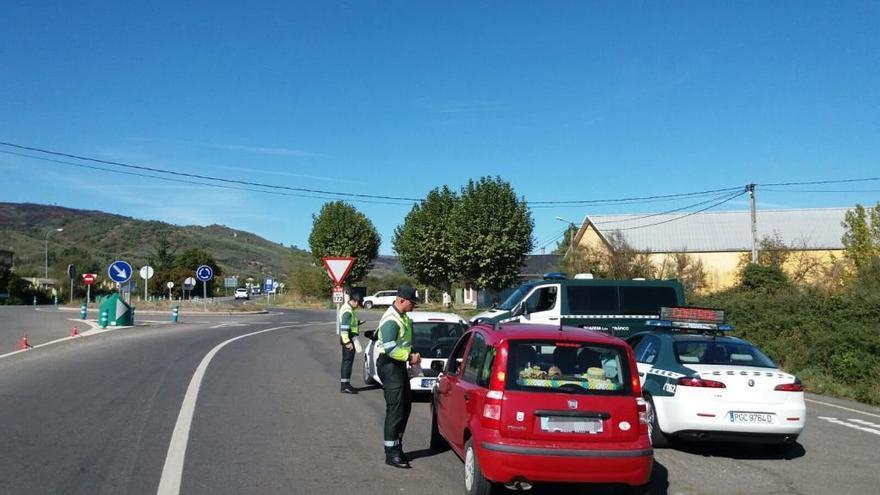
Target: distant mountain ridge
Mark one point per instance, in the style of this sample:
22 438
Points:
104 237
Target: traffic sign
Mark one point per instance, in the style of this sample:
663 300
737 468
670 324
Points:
204 273
189 283
88 278
120 271
170 285
267 284
71 272
338 295
146 272
338 268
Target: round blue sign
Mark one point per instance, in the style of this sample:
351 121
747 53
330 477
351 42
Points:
120 271
204 273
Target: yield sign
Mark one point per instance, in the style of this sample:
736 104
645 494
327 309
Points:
338 268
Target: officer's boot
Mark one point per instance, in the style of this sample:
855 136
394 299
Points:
394 457
346 388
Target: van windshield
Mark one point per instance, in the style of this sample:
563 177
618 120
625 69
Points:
514 299
567 367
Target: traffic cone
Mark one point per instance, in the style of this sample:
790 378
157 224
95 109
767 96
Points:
74 332
24 344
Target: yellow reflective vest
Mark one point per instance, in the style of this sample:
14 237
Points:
395 335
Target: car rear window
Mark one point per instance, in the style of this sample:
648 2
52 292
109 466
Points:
571 367
722 353
435 339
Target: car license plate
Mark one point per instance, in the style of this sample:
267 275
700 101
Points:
557 424
748 417
428 382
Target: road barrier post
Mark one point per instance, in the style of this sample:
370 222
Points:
175 311
56 301
35 302
83 311
104 318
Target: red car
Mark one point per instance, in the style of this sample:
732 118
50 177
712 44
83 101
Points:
522 404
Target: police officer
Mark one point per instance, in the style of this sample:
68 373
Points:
395 350
348 331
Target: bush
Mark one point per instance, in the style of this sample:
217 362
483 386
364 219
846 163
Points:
763 278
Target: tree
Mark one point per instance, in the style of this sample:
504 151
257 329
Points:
624 261
340 230
424 243
688 269
185 266
492 233
861 241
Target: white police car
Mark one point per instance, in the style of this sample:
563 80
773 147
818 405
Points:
434 335
701 384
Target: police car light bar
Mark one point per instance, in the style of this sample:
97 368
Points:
689 325
694 315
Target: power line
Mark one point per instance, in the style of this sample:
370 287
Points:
184 181
729 198
204 177
823 190
638 198
837 181
694 205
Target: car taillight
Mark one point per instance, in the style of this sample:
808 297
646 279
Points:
642 406
492 409
687 381
790 387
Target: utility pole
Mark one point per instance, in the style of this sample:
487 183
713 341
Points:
751 189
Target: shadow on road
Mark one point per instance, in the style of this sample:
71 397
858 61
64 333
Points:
742 450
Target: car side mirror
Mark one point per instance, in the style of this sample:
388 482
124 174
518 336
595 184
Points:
371 334
522 309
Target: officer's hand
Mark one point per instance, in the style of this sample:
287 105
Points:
415 358
349 346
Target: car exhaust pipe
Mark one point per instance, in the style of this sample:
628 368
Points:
518 485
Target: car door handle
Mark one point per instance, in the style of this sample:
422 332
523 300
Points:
553 318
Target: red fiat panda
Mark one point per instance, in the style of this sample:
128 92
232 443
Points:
536 403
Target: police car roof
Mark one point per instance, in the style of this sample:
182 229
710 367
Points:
699 337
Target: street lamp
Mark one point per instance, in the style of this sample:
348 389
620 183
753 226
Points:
47 247
571 239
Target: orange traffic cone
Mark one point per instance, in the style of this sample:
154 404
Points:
74 332
23 343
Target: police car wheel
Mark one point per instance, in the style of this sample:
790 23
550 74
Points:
658 438
474 481
368 304
368 376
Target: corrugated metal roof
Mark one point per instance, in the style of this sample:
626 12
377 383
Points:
818 228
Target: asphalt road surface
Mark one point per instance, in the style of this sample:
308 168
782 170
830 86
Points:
251 405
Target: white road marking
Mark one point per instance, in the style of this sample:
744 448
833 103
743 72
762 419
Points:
842 407
172 472
849 425
864 423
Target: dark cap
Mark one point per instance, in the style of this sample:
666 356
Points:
408 293
354 296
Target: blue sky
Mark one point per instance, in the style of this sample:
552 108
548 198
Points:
565 100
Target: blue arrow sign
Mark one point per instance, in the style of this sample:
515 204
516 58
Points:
204 273
120 271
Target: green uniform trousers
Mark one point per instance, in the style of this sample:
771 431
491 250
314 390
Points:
398 398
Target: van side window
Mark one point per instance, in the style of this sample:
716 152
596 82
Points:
543 299
646 300
647 350
592 300
453 364
473 365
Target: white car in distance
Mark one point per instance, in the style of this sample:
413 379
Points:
242 293
381 298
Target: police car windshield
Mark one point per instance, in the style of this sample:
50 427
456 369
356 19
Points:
514 299
435 339
726 353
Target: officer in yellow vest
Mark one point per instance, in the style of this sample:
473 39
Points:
348 331
395 350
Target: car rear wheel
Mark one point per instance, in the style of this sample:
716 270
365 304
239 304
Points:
368 376
658 438
368 304
438 443
474 481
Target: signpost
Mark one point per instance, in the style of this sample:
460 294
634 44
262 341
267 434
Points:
170 286
71 274
88 279
146 273
267 289
121 272
188 285
338 268
205 273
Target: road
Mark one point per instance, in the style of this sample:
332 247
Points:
101 414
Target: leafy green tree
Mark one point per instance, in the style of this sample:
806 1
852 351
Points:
492 233
763 278
186 263
861 241
310 281
340 230
624 262
424 243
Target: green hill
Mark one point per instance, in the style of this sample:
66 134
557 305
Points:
92 240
